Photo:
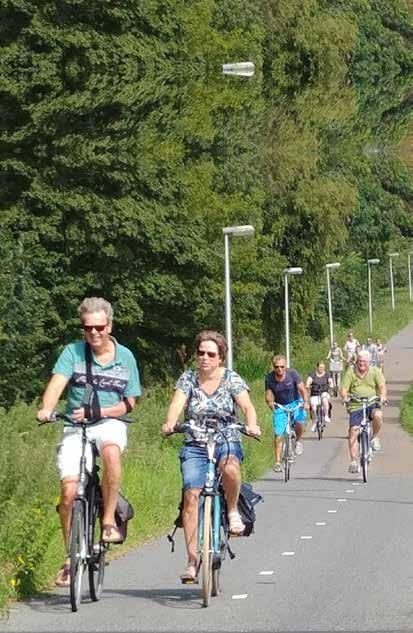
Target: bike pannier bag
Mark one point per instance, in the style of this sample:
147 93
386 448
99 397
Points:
246 502
124 512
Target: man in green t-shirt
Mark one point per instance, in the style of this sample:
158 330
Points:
363 381
116 382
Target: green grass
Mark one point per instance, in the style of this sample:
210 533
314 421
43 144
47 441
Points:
406 414
30 542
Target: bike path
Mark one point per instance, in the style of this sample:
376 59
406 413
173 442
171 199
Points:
355 573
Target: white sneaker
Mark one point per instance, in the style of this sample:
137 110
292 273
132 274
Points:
314 428
298 448
327 418
375 444
354 467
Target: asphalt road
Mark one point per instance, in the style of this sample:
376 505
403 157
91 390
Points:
329 552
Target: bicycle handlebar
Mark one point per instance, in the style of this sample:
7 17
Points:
362 399
192 427
57 415
288 410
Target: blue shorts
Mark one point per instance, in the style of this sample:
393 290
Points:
279 417
357 416
194 461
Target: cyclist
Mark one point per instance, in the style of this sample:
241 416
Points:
335 353
286 387
363 381
210 389
381 350
372 349
351 346
319 382
116 385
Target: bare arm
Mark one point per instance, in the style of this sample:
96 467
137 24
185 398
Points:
243 400
174 411
51 396
303 393
269 399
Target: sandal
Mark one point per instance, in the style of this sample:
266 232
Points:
236 526
111 534
189 575
63 576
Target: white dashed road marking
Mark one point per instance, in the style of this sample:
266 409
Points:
288 554
332 511
240 596
266 573
306 538
342 500
321 523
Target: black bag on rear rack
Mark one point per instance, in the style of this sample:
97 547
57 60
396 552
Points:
124 512
246 502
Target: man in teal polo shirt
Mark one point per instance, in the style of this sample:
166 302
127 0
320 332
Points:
116 382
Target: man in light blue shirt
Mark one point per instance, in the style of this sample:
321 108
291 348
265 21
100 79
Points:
116 385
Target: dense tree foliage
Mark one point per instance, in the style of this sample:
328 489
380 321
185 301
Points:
124 152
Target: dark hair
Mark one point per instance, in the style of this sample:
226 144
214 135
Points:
320 362
216 337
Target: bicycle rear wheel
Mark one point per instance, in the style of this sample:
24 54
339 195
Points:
207 552
77 552
96 567
364 455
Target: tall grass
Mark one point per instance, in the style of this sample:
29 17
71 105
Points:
406 415
30 542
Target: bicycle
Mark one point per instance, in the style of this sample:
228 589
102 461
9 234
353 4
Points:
86 548
365 432
289 439
336 367
213 528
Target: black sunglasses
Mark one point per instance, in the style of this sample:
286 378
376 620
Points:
279 366
90 328
209 354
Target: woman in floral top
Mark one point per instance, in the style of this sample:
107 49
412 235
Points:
210 390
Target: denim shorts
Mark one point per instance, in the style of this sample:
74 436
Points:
194 461
357 416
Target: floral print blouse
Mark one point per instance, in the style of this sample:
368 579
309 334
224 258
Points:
220 403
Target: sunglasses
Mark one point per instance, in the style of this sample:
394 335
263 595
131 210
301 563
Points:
279 366
90 328
205 353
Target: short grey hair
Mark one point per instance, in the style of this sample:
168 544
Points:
363 354
95 304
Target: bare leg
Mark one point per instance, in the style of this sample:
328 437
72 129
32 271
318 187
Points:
190 522
68 491
231 481
377 421
278 447
298 430
112 471
353 443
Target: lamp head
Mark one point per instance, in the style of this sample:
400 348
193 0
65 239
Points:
296 270
245 230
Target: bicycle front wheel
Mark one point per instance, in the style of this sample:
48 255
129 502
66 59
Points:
206 552
287 462
98 549
77 551
320 423
364 455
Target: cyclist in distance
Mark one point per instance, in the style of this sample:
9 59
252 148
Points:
380 350
285 386
350 348
363 381
116 387
335 353
207 391
372 350
319 383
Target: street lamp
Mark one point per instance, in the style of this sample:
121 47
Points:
391 255
371 262
240 69
329 267
237 231
409 254
286 272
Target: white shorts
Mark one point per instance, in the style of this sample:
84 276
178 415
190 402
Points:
315 400
69 451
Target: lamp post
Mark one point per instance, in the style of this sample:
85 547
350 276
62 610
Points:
237 231
391 255
370 263
409 255
286 273
240 69
329 267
